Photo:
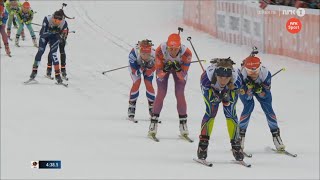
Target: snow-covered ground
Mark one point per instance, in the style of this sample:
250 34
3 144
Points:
84 125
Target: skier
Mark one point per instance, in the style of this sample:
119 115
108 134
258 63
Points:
219 84
12 6
3 20
63 41
25 16
171 58
141 62
52 26
257 83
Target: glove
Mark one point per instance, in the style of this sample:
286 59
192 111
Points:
257 88
149 64
249 94
250 84
143 64
226 97
217 97
167 67
176 66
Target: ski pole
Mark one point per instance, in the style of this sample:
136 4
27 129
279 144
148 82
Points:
114 69
189 39
282 69
69 31
36 24
104 72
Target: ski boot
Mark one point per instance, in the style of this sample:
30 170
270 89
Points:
34 72
7 49
183 125
242 137
16 42
203 147
132 109
277 140
58 78
153 125
64 73
150 107
49 70
236 150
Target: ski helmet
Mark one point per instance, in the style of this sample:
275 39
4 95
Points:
174 40
26 5
252 63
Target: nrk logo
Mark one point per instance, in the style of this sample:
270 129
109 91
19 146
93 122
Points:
299 12
294 25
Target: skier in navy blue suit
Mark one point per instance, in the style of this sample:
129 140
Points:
257 83
52 27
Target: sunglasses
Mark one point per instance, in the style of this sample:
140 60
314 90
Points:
223 72
253 70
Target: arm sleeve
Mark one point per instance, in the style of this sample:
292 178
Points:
237 81
205 82
266 84
31 17
5 18
186 60
205 85
159 63
45 27
134 66
64 27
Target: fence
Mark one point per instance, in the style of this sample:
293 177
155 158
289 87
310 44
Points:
245 23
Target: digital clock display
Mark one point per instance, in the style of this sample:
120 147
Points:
49 164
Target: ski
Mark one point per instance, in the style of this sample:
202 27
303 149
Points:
49 77
30 81
203 162
65 78
242 163
153 137
186 137
132 119
284 152
63 84
247 155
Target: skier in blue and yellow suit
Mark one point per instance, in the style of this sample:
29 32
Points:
219 83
